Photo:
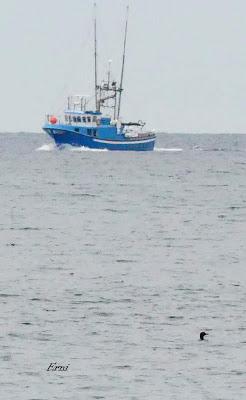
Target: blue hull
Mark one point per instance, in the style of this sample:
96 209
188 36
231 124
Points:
66 135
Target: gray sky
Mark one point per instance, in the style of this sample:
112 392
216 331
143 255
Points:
185 65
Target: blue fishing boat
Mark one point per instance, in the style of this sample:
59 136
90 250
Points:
103 127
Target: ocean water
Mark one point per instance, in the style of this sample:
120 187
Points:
113 263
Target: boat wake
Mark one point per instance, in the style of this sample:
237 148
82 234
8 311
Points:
47 147
82 148
67 147
163 149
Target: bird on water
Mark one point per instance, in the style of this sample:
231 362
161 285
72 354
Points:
202 334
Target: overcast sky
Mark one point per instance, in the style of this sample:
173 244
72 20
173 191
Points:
185 65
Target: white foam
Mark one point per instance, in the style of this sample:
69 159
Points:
47 147
80 149
162 149
52 147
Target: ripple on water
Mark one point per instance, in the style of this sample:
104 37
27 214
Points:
156 246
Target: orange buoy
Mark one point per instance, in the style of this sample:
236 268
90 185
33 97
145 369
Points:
53 120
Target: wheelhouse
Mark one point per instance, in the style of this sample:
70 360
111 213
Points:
76 113
81 118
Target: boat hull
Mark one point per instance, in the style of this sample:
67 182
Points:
67 136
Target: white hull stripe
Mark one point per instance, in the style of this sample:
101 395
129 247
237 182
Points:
125 142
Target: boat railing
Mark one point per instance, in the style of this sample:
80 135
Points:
73 119
139 135
53 119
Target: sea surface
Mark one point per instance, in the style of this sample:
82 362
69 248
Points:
112 263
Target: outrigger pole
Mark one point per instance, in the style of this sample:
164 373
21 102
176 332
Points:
95 53
123 63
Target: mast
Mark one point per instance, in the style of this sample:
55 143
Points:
123 63
95 53
109 71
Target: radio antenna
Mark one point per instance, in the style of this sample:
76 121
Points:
123 62
95 52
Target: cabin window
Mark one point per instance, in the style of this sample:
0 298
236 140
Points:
74 119
78 119
76 129
84 119
89 132
94 118
89 119
94 132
